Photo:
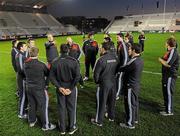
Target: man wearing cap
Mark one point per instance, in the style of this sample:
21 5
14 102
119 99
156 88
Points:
90 49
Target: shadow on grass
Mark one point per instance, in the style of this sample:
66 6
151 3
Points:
149 106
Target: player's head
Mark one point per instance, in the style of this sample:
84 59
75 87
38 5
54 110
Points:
69 40
134 49
50 37
171 42
33 51
107 39
31 42
64 49
105 48
106 35
21 46
120 37
91 35
142 33
14 43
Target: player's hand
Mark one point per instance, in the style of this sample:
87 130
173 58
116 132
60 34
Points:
160 60
62 90
68 92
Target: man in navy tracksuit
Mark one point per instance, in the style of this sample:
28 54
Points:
20 58
108 40
90 49
105 77
51 50
122 53
65 74
131 85
142 38
14 51
36 73
51 53
170 66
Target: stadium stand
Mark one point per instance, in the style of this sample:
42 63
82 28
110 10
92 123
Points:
146 22
20 23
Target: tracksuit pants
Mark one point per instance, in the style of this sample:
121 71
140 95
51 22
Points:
120 84
106 95
89 62
38 99
168 89
68 103
131 104
142 46
22 95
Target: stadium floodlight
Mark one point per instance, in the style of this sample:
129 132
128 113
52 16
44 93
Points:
37 6
3 3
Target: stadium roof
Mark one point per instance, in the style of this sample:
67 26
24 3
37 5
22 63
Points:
28 3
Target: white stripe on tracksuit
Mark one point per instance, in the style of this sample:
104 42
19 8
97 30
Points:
169 94
171 55
121 74
46 110
130 107
97 95
75 107
23 99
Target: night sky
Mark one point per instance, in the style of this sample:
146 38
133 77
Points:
110 8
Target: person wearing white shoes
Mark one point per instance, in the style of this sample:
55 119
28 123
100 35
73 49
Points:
105 77
131 85
36 73
90 50
170 66
19 60
65 74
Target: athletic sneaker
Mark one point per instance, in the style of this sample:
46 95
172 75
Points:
62 133
136 122
106 115
33 123
163 113
50 127
93 121
127 126
111 120
85 78
23 116
72 131
117 98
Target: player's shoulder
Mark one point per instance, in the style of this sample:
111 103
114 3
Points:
71 59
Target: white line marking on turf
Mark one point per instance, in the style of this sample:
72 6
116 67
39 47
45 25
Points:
147 72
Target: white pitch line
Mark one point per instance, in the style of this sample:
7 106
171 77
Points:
147 72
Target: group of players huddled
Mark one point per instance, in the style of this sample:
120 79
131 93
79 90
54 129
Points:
117 72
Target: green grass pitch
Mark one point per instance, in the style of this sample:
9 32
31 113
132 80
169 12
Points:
151 123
